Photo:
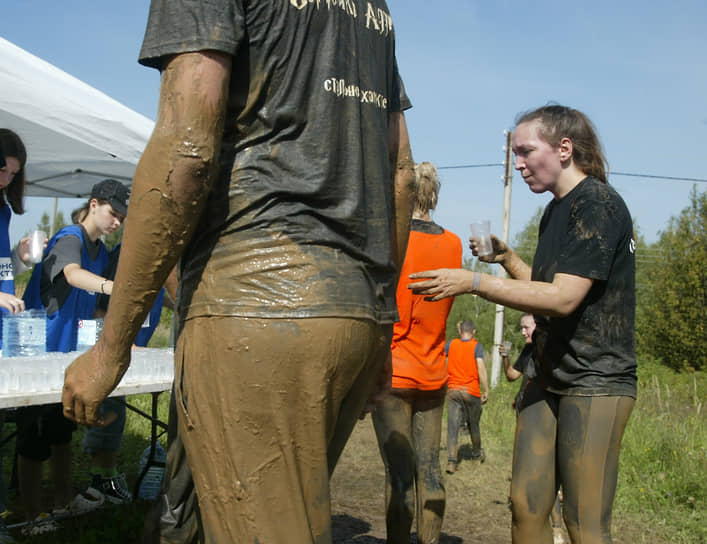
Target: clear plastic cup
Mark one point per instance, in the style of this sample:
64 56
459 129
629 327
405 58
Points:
36 245
481 233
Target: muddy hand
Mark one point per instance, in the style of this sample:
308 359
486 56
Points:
499 250
442 283
87 382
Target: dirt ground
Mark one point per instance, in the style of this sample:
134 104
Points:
477 497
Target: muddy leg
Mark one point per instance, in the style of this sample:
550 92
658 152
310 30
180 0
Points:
473 409
455 410
258 403
533 481
589 441
427 433
392 423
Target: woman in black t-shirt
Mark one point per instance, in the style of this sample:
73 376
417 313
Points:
581 291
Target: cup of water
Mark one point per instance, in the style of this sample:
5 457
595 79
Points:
481 233
36 245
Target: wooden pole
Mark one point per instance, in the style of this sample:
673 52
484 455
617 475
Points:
500 310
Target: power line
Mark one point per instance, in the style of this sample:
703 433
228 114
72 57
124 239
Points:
630 174
470 166
671 178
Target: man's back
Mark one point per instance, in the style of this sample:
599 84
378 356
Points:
298 221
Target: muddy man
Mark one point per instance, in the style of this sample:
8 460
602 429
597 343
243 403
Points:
279 173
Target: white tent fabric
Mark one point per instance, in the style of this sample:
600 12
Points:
75 135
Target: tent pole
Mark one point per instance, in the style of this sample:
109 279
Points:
51 225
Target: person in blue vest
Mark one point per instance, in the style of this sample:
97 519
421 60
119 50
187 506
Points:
66 284
13 157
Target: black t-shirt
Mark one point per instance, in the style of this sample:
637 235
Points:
298 224
588 233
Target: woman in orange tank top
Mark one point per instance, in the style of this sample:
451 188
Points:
408 422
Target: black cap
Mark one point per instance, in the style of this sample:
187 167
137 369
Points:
114 192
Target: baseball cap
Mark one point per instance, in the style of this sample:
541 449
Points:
114 192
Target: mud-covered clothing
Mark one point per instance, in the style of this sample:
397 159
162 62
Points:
48 288
283 441
408 425
577 439
463 407
298 223
588 233
418 338
462 365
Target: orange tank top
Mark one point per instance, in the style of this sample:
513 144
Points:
462 366
419 336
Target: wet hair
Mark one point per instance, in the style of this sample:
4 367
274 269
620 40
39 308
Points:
467 326
558 122
14 193
427 184
79 214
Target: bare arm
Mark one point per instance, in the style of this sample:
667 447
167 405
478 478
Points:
403 169
171 185
559 298
88 281
506 257
483 379
511 373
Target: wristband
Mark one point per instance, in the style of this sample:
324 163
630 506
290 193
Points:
476 281
102 284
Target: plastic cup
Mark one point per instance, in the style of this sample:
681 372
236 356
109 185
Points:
481 233
507 345
36 245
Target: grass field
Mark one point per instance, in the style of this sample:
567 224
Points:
660 498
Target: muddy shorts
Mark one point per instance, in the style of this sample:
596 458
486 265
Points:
265 408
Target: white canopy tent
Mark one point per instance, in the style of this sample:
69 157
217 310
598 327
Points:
75 135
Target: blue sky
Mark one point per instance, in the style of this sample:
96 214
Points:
638 69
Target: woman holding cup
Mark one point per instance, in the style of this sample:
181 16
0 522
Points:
13 158
581 291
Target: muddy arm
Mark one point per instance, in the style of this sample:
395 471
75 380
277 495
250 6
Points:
171 185
403 169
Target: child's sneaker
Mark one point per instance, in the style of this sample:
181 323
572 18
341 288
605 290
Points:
114 489
84 502
42 524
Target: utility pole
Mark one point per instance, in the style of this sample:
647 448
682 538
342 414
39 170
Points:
500 310
51 225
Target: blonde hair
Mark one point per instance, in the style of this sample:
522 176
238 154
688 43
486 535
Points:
428 185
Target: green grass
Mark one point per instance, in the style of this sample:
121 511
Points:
121 524
663 464
664 453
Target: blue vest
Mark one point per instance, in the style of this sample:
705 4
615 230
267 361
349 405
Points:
62 325
7 277
146 331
